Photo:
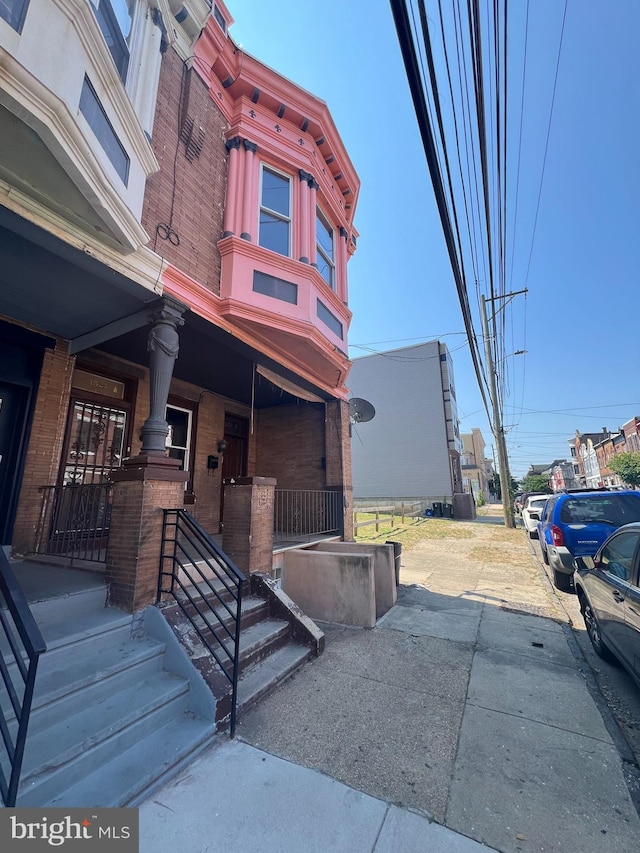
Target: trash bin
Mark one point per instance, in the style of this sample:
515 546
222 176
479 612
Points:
397 552
437 509
447 511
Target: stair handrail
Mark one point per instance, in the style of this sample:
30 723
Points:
185 544
25 631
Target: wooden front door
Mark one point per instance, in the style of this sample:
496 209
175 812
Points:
234 460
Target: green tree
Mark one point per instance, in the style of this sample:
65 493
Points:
627 467
536 483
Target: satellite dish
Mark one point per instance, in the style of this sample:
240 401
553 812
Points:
360 410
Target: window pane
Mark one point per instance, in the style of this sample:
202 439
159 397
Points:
326 270
617 558
275 192
92 110
13 12
324 235
179 423
274 233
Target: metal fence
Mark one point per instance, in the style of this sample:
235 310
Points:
303 513
74 521
22 644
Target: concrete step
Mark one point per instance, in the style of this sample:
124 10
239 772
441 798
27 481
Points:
256 642
90 677
263 677
131 776
98 735
252 610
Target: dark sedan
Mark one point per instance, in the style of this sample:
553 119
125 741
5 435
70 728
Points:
608 588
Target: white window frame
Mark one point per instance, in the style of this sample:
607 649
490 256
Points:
276 214
330 262
187 448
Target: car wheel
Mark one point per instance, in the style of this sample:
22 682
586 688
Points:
593 630
545 556
562 581
533 534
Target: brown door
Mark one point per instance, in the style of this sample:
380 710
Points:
234 459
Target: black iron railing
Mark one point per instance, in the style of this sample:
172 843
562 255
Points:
74 521
303 513
207 586
22 645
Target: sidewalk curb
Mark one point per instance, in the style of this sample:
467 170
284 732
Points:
630 767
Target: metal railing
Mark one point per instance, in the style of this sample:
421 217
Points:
74 521
207 586
303 513
22 645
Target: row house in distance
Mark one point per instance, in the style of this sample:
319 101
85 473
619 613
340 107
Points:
476 469
175 224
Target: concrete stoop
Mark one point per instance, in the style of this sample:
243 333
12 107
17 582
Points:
276 639
112 717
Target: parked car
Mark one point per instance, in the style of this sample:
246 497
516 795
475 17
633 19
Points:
608 588
531 512
575 524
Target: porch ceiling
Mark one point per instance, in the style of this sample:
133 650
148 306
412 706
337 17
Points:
213 359
48 284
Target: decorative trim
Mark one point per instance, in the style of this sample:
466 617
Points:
234 142
250 146
281 111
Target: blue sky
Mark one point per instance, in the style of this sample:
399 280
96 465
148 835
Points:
579 320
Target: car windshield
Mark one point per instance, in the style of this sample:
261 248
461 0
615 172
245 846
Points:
591 509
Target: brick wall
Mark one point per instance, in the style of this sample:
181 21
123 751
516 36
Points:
194 188
248 523
338 455
45 443
133 558
291 446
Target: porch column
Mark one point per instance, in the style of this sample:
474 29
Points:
230 210
249 207
305 208
314 186
248 523
341 264
146 484
163 345
338 459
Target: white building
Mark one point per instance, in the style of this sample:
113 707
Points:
411 449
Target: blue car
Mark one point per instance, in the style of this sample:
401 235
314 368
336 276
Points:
575 524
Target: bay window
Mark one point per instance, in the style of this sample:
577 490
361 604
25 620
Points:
115 19
325 247
275 212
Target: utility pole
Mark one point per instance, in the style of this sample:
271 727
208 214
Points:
498 430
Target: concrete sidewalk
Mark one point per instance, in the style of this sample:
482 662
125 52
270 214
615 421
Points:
236 797
465 704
